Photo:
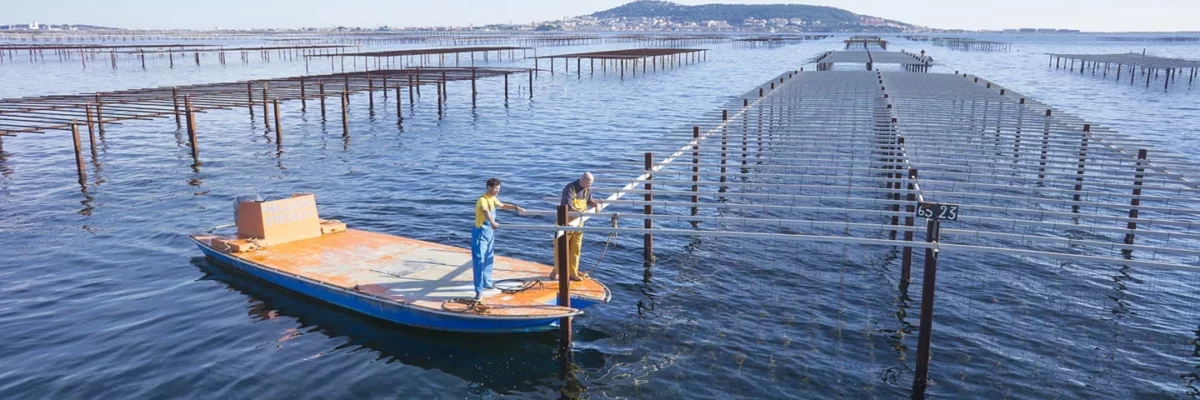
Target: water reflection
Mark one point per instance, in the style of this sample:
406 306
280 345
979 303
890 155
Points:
501 364
5 170
87 199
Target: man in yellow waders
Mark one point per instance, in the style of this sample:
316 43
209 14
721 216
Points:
577 196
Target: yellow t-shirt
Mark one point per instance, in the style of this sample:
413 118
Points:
485 204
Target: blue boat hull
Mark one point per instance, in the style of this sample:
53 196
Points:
399 313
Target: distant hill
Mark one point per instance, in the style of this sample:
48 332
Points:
736 14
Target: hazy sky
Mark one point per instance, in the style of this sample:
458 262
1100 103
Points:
1087 15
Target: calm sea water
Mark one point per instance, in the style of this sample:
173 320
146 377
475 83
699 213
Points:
102 295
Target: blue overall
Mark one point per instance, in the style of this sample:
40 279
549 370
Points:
482 256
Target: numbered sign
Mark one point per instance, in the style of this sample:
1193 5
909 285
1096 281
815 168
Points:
948 212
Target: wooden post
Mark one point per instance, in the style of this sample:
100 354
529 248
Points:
439 99
910 210
648 209
473 92
303 97
531 84
78 155
1137 193
506 86
564 285
1045 145
370 94
99 116
191 128
695 169
345 114
265 104
321 93
921 380
724 144
250 99
399 114
1087 128
411 100
91 133
278 127
175 100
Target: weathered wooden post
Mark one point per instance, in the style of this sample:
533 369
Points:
695 170
724 144
91 131
564 285
1087 129
99 116
370 93
250 99
1138 176
411 99
78 155
321 94
906 256
191 128
278 126
921 380
175 101
265 103
399 114
345 115
648 209
1045 146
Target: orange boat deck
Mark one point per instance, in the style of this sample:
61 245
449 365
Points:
415 272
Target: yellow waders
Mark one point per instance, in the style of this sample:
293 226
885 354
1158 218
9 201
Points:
574 240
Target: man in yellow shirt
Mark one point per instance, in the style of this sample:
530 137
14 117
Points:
483 235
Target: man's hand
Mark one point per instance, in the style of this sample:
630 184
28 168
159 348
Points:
520 211
495 225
